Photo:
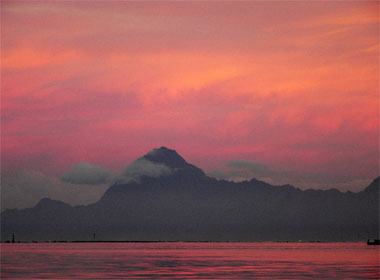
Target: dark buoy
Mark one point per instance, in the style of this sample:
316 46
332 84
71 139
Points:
373 242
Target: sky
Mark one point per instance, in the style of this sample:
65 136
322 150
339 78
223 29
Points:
285 92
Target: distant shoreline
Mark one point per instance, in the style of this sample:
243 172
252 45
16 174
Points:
176 241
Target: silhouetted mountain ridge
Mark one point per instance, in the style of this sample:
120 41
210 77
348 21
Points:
185 204
47 203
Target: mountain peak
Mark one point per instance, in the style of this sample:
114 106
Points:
166 156
47 203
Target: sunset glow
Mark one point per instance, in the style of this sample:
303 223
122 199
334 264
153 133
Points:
292 85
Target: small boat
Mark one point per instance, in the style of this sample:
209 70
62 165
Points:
373 242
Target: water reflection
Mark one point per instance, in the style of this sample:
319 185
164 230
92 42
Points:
190 260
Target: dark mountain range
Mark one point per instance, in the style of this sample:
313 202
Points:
178 201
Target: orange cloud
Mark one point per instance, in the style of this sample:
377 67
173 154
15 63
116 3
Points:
26 58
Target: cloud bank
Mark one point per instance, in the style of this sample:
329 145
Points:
240 170
25 189
85 173
82 185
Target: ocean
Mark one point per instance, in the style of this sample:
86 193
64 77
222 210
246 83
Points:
189 260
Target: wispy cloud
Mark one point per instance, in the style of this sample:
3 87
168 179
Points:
143 167
85 173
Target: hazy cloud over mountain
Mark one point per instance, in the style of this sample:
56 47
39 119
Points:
143 167
240 170
83 184
86 183
85 173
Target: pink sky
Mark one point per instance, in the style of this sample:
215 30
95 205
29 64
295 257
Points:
292 85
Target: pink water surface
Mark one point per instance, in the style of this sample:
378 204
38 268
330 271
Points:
181 260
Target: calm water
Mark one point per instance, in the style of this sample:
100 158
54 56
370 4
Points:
190 260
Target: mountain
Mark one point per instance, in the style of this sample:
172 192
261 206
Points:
168 157
163 197
374 186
